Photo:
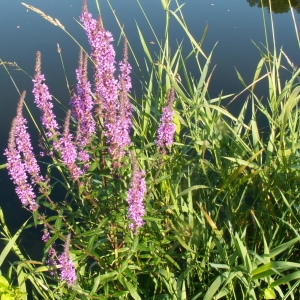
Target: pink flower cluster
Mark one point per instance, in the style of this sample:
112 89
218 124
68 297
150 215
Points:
82 106
111 93
67 271
110 97
135 197
42 99
64 261
21 163
166 129
70 151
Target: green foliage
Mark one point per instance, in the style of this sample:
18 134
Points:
6 292
276 6
22 271
222 203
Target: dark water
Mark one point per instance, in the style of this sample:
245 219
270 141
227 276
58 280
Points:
234 24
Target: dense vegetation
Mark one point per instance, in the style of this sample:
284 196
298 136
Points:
168 196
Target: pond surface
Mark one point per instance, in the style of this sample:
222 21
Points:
233 24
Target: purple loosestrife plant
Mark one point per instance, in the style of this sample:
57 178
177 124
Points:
135 197
166 129
42 99
21 160
111 94
67 271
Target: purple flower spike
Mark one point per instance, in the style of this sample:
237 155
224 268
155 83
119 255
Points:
135 197
42 99
118 127
166 129
68 150
103 55
125 69
21 160
16 170
52 259
111 94
82 104
67 271
22 139
124 123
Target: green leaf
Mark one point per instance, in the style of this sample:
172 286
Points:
120 294
7 297
107 276
22 279
214 287
177 123
219 266
144 45
93 166
134 294
272 268
10 244
172 261
192 188
3 282
96 284
191 38
279 249
269 293
286 279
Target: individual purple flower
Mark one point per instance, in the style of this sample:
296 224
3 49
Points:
135 197
42 99
21 160
67 271
166 129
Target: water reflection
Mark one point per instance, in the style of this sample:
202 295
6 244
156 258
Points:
278 6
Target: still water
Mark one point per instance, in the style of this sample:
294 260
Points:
233 24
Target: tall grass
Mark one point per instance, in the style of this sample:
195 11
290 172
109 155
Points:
221 204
